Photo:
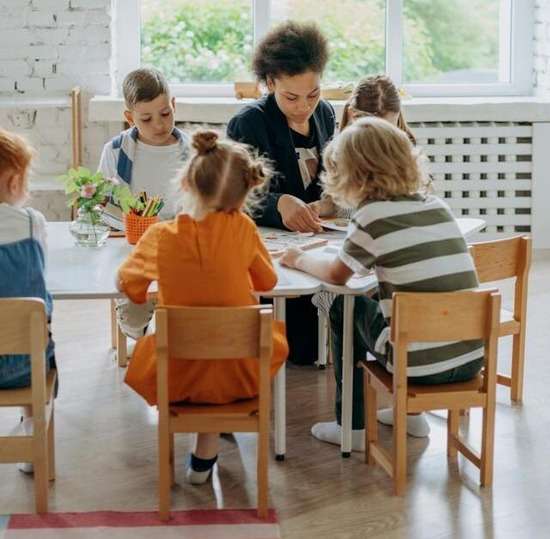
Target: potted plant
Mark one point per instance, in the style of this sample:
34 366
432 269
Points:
87 192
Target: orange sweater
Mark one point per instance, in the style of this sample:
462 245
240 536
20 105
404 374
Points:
216 262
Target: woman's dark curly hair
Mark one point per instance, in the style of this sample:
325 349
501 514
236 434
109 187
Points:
291 48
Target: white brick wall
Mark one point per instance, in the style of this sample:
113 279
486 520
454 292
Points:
46 48
541 61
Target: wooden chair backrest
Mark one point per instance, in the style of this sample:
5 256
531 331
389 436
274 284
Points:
447 316
209 333
21 321
212 332
501 259
504 259
23 330
442 316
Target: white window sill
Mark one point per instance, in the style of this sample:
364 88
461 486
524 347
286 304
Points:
420 109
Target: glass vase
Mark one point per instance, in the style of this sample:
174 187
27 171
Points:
88 230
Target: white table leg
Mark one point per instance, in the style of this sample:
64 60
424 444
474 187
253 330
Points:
279 393
322 339
347 375
114 324
121 348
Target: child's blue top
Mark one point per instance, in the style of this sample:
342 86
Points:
22 272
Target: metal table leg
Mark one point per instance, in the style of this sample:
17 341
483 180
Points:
279 392
347 375
322 340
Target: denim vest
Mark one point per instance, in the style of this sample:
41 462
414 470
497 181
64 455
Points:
22 274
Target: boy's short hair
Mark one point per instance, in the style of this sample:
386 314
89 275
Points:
15 152
291 48
144 84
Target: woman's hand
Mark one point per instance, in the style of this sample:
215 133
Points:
297 215
291 256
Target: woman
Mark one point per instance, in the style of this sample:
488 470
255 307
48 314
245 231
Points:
291 125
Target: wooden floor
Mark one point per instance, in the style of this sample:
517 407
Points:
106 451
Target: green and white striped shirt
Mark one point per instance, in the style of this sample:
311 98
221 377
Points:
415 245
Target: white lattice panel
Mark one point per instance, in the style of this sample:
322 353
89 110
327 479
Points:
482 169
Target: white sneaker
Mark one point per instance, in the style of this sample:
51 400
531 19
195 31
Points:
417 425
331 433
25 428
133 318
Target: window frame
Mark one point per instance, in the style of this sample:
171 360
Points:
515 62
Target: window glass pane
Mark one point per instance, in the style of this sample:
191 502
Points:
355 30
198 40
448 42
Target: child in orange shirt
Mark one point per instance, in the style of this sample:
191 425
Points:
210 255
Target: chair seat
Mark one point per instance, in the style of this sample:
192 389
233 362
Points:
244 408
508 324
23 397
413 390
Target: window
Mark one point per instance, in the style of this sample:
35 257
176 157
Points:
198 41
431 47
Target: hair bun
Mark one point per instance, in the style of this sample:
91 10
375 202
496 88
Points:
257 174
204 141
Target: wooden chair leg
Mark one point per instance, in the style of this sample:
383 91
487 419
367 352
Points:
487 444
114 325
453 422
40 465
164 472
51 446
371 428
399 448
518 361
172 460
262 472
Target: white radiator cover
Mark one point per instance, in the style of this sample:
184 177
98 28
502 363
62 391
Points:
482 169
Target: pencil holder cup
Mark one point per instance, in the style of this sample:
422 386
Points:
136 225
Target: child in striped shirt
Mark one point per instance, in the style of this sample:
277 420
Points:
412 242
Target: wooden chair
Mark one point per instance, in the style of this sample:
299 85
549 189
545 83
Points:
213 333
23 330
503 259
423 317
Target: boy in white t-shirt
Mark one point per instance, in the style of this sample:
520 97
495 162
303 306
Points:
149 154
147 157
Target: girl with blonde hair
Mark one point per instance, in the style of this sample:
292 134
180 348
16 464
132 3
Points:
412 242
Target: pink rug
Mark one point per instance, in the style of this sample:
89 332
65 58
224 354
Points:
194 524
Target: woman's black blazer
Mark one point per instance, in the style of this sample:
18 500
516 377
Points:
263 126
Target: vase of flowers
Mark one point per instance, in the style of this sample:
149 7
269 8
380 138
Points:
87 192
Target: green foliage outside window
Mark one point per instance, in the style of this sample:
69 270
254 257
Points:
211 41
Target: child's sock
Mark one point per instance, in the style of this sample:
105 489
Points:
417 425
331 433
25 427
199 470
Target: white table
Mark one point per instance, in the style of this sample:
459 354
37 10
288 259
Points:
83 273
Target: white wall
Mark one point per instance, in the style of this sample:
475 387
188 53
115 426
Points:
46 48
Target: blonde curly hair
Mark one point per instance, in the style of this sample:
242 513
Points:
372 160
